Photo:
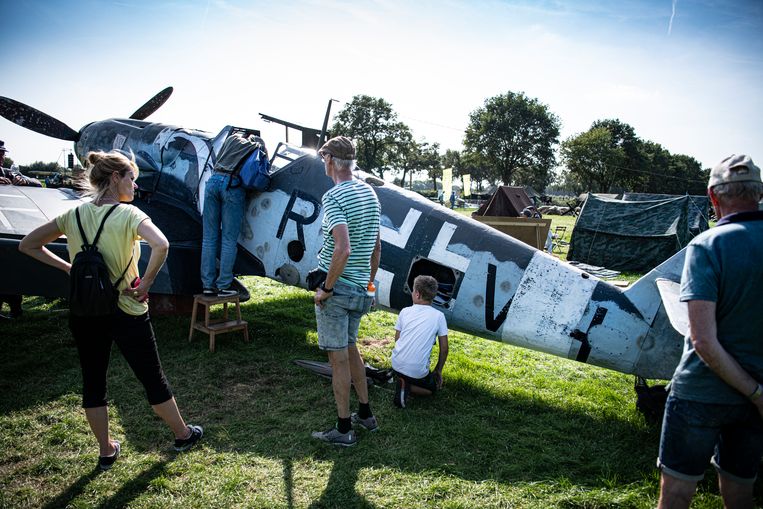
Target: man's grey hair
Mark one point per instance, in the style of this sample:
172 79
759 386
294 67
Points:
344 164
744 191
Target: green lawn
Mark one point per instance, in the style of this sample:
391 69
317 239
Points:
512 428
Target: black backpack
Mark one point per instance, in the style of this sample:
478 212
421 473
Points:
91 292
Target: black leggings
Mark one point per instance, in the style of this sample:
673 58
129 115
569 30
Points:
134 336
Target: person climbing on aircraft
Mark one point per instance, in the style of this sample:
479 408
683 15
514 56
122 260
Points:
223 215
415 332
110 180
350 257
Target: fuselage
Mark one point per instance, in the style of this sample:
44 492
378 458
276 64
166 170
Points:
491 285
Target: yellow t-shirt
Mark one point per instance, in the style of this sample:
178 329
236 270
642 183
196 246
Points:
119 240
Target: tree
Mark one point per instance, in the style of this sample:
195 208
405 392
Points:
609 157
593 161
374 126
634 164
513 137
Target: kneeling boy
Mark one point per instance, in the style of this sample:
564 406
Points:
415 333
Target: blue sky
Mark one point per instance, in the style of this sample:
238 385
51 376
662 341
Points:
692 85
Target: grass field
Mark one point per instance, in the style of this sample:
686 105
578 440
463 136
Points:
512 428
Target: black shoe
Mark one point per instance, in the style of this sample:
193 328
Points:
106 462
226 293
183 444
209 292
401 392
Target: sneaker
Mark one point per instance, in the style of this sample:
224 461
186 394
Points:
226 293
209 292
184 444
332 436
368 424
106 462
401 393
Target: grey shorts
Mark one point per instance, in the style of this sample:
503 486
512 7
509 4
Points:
339 318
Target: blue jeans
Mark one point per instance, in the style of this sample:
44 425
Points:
222 218
695 434
339 318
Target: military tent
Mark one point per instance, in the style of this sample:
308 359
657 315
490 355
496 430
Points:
507 201
630 235
698 208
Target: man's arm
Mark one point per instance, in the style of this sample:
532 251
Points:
338 261
704 336
441 358
376 257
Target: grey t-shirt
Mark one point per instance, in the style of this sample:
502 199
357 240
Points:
725 265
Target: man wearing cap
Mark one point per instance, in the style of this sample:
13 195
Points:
713 413
350 257
10 177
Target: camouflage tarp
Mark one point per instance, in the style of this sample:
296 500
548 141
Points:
631 236
699 206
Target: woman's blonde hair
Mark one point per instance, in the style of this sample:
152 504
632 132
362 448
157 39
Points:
96 181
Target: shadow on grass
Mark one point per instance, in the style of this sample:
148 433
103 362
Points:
122 498
251 398
75 490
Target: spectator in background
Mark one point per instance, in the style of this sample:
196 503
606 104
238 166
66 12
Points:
11 176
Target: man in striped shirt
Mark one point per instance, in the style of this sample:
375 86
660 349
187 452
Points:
350 256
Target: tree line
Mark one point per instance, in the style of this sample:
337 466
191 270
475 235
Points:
513 139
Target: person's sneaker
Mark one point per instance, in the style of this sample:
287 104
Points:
334 437
226 293
209 292
401 393
368 424
106 462
184 444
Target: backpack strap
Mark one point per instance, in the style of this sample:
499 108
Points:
100 228
116 283
98 236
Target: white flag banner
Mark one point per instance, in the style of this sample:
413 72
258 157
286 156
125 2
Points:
447 183
467 185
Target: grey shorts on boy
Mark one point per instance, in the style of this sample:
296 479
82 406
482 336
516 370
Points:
339 318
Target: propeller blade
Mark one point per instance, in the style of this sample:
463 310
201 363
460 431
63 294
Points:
152 105
35 120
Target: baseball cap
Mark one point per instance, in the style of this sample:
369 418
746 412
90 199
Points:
735 168
340 147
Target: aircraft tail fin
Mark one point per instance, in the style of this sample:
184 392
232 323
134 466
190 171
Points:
645 293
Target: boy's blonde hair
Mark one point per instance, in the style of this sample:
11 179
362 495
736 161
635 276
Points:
426 286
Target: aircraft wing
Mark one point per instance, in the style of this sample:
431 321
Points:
22 209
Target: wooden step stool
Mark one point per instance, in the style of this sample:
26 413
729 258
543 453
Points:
215 327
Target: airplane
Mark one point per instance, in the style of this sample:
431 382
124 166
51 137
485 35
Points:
491 285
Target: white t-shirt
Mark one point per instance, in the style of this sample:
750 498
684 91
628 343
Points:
419 327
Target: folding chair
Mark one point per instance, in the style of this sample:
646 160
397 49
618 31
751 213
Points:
559 233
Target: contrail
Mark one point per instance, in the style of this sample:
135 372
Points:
672 15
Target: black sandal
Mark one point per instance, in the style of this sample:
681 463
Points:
106 462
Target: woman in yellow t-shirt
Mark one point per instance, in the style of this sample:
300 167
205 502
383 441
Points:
111 181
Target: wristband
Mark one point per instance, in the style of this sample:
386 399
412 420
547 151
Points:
756 393
326 290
